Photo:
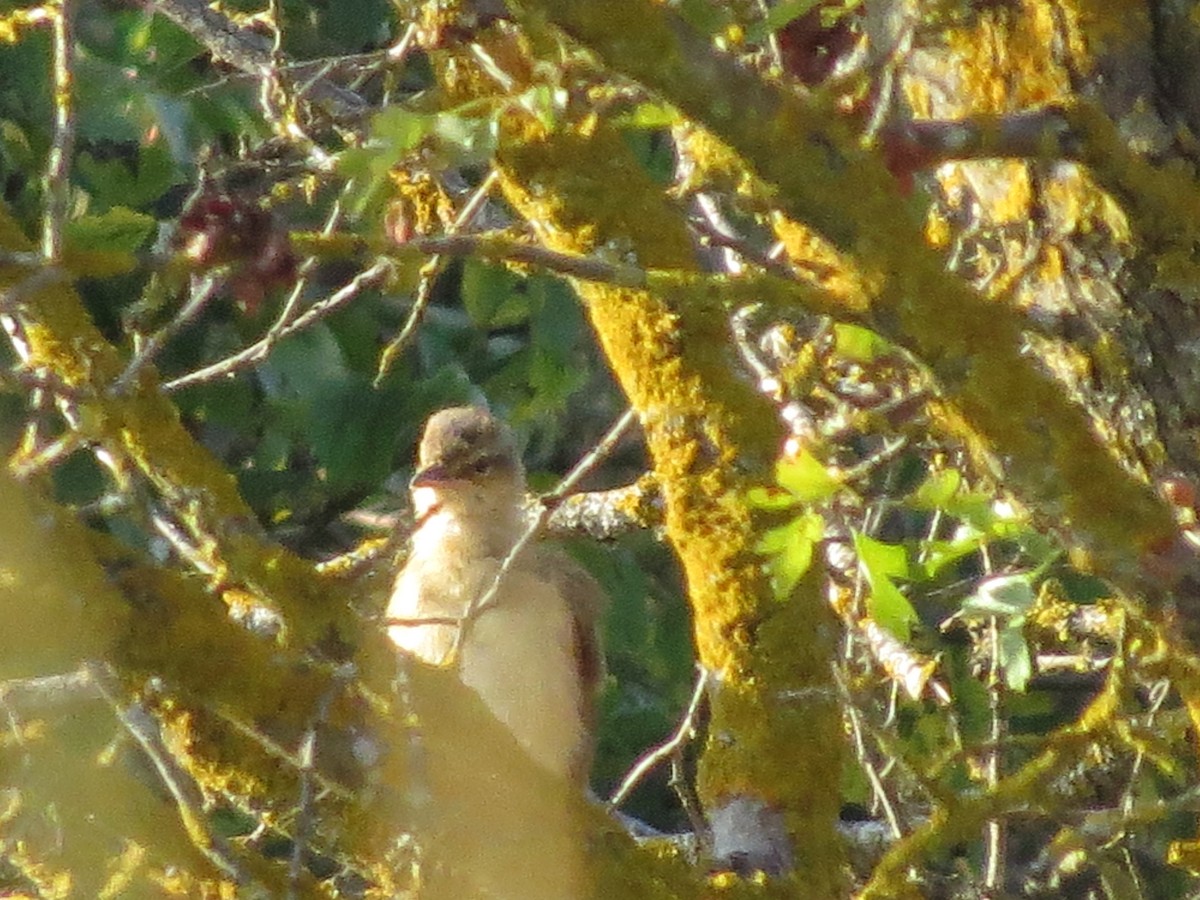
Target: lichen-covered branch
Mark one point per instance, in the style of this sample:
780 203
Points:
771 763
973 345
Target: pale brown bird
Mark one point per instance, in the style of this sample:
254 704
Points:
532 654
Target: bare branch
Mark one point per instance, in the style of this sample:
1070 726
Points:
307 760
40 694
668 749
257 352
203 290
251 53
62 145
428 272
603 515
189 799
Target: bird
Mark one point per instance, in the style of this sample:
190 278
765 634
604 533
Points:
532 652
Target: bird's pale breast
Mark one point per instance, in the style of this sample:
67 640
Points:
518 655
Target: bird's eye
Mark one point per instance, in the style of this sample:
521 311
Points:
481 466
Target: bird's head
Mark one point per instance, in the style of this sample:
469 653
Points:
467 459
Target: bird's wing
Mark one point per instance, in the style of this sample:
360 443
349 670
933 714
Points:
587 602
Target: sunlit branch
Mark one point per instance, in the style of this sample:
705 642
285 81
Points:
428 273
257 352
62 144
669 748
188 797
251 53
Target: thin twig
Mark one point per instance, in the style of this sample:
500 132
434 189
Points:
896 55
865 763
545 504
32 284
27 464
279 101
394 56
182 544
62 144
202 292
286 315
428 272
45 380
993 830
46 692
591 459
679 737
22 259
251 53
66 406
188 797
255 353
1159 691
489 246
420 621
307 760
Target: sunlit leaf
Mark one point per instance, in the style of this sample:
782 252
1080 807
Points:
649 115
937 490
859 344
880 564
789 549
1004 596
885 559
806 477
770 498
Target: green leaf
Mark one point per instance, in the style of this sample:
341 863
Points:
859 344
1014 657
940 554
555 330
399 130
1006 597
395 132
119 230
352 428
493 296
705 16
890 560
303 364
880 564
937 490
135 181
789 549
649 115
785 12
770 498
806 478
943 491
471 138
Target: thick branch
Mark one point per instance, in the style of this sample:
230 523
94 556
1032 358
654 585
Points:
973 345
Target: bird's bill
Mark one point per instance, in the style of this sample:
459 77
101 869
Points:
433 476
